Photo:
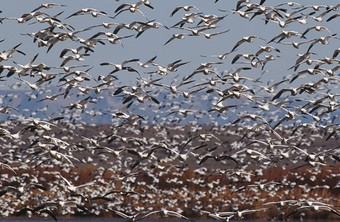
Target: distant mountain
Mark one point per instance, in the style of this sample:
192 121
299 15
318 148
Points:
103 106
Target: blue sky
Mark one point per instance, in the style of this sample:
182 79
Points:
150 43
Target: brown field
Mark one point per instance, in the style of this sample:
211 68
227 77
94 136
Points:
186 186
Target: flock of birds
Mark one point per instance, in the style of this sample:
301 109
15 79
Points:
168 165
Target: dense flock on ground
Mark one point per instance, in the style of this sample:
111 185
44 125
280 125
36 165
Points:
276 155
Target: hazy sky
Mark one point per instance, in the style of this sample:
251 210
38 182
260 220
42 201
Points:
150 43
